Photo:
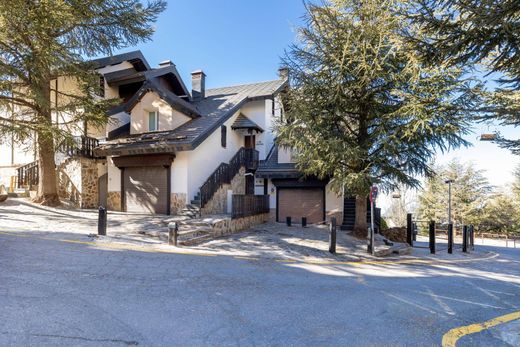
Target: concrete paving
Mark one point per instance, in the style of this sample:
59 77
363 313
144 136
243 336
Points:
62 289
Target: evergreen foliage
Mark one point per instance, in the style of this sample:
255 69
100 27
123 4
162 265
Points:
363 109
43 39
483 32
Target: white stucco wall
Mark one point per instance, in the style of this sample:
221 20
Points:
114 176
179 174
113 92
333 201
209 154
169 118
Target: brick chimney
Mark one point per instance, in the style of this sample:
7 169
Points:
198 85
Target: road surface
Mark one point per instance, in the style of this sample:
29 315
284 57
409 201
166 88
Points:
63 290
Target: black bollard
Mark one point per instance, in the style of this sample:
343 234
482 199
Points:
304 222
472 237
173 231
465 239
102 221
432 237
414 231
332 235
288 221
409 231
450 238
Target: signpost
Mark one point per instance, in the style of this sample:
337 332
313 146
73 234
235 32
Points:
373 197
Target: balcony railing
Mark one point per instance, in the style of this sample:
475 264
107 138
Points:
79 146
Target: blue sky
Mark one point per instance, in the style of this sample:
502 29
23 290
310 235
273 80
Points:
241 41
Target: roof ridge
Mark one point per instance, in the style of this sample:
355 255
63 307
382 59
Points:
246 84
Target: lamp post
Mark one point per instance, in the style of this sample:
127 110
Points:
449 182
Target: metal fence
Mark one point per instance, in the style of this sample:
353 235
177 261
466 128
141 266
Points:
249 205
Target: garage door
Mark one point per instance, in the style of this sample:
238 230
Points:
146 189
299 202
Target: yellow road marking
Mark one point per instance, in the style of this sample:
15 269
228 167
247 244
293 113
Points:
244 257
451 337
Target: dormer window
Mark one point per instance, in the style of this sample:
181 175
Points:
153 121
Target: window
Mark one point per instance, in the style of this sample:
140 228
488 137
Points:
153 121
223 136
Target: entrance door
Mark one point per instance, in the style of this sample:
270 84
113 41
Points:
249 141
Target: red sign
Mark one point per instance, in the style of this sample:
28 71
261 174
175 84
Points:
373 193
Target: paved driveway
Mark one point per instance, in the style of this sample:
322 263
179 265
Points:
61 289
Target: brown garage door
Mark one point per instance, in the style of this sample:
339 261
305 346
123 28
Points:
146 189
300 202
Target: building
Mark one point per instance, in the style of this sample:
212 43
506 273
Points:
168 149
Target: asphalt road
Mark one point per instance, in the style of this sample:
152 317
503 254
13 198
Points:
56 293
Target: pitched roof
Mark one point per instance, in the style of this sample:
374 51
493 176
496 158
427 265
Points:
216 108
242 122
173 100
136 58
271 168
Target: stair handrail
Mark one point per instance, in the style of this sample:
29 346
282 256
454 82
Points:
28 174
225 172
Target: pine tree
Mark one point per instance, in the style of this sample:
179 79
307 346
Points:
483 33
469 192
362 108
43 39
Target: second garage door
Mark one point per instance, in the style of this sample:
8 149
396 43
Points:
146 189
301 202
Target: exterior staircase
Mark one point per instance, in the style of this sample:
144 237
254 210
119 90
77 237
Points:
349 214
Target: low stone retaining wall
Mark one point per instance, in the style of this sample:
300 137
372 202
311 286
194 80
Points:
229 226
397 234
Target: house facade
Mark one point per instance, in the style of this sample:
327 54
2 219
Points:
168 148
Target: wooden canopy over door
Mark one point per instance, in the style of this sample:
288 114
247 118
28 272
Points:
301 202
146 189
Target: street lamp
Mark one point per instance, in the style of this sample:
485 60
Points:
449 182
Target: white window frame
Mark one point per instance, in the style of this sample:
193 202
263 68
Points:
156 120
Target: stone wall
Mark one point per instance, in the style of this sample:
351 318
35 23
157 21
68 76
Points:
89 183
177 202
229 226
78 182
114 201
218 203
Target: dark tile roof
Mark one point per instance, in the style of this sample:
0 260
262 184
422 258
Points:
217 107
270 168
136 58
242 122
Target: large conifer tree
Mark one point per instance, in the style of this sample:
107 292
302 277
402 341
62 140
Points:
362 108
43 39
484 33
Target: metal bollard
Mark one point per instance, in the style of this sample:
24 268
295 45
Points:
288 221
414 231
432 237
472 237
173 231
465 238
450 238
102 221
304 222
409 227
332 235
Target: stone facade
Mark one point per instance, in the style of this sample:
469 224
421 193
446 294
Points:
114 201
78 182
218 203
177 202
228 226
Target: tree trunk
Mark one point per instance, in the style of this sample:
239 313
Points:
360 224
47 185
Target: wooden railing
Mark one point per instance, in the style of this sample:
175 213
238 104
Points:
27 175
247 157
249 205
82 146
